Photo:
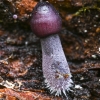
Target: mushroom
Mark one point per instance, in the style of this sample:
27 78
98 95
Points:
46 24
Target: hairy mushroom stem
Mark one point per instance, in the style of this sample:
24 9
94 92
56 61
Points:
41 0
55 67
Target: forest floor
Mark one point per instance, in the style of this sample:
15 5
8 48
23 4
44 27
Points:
21 76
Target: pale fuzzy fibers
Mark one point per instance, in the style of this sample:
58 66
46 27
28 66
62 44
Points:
55 67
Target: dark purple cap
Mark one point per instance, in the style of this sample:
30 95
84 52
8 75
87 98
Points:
45 20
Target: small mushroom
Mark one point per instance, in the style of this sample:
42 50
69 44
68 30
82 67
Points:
46 24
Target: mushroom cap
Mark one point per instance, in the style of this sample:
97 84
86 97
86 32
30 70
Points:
45 20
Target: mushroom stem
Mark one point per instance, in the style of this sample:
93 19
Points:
55 67
41 0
